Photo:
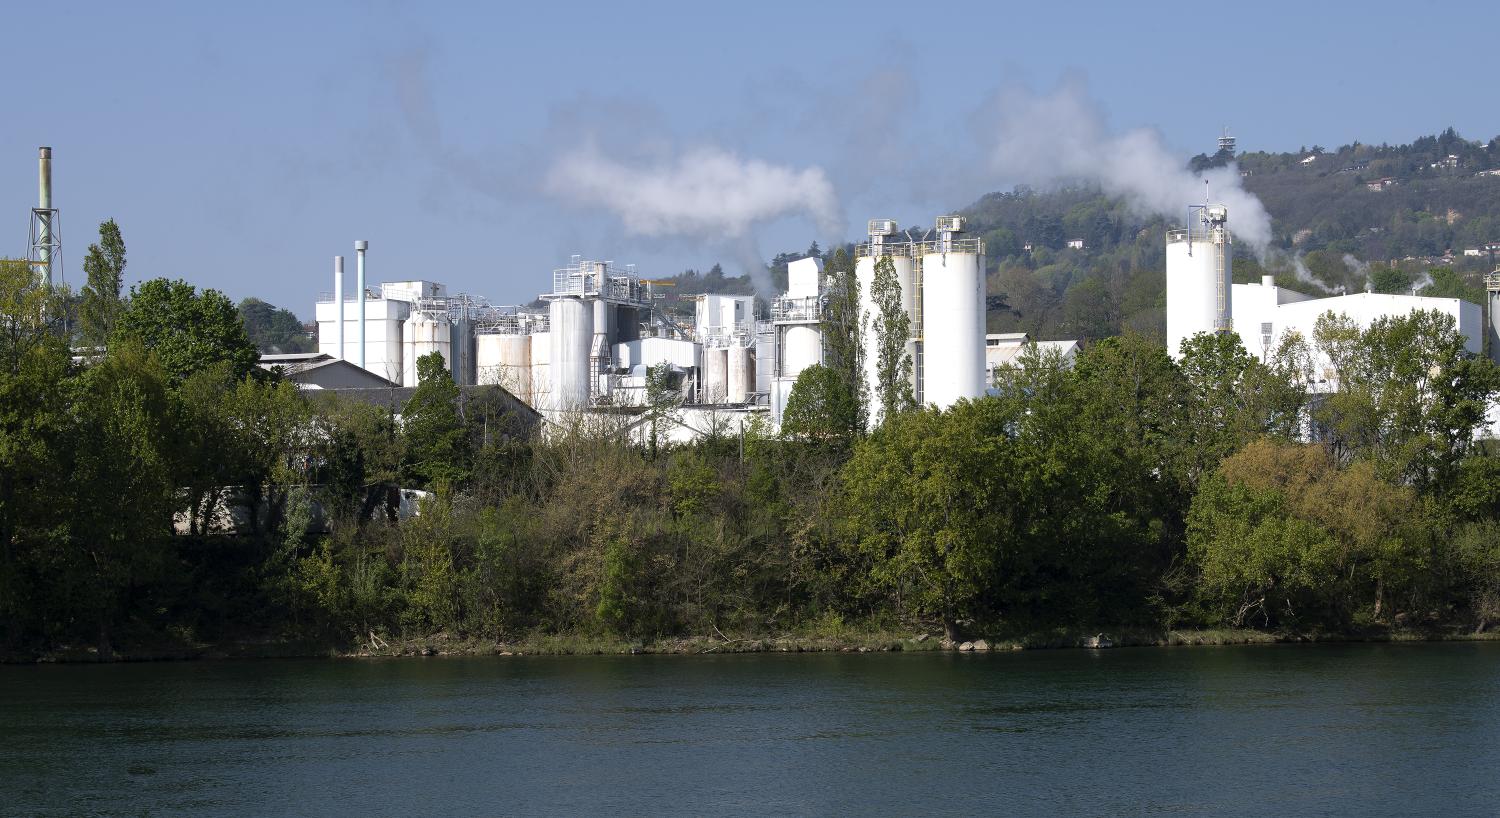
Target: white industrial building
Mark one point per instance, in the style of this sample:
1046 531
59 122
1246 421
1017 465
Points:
1201 298
591 349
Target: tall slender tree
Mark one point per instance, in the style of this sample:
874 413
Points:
892 328
105 267
843 332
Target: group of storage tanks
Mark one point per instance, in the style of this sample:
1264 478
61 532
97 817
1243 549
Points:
602 330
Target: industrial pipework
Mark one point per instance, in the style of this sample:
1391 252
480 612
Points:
338 304
359 268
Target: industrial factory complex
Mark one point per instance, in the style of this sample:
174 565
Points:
603 328
601 331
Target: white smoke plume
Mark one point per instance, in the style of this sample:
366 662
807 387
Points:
1424 280
1063 138
706 194
1361 269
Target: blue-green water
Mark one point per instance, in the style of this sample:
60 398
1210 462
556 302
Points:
1270 730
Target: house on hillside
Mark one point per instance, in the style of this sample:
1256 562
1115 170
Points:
1075 244
1309 159
1380 184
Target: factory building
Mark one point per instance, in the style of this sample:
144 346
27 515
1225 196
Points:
1201 298
602 331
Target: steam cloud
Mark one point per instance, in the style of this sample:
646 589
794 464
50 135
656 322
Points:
1062 137
1361 269
707 194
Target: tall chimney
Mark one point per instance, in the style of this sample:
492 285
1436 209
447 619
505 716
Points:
44 215
359 272
338 305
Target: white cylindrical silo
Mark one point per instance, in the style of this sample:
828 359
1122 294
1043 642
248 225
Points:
952 326
801 347
1199 278
541 369
715 375
429 333
505 361
572 330
741 372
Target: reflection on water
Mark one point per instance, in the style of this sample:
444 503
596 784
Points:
1295 730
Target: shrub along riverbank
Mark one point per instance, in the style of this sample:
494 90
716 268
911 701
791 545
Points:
1128 494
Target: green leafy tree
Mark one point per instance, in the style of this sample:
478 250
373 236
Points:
844 333
821 408
925 506
434 430
274 330
187 330
105 267
892 327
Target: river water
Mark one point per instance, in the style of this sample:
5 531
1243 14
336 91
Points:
1263 730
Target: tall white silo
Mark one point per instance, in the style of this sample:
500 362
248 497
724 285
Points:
572 331
1199 276
952 316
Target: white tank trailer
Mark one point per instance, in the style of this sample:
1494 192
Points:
951 365
882 244
1199 290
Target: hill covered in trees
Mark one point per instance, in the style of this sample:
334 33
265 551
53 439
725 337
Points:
1382 215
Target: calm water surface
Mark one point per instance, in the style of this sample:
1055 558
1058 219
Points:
1269 730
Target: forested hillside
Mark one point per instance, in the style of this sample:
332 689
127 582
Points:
1386 215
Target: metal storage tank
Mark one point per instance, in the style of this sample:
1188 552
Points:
801 347
1199 291
572 331
765 356
505 360
741 372
952 317
463 349
427 333
715 375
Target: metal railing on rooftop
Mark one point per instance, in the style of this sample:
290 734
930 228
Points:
970 245
806 308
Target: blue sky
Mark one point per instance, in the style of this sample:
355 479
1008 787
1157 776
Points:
242 148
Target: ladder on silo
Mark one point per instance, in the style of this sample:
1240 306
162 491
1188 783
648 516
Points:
919 360
1221 282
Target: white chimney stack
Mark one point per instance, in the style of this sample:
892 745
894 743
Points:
338 305
359 272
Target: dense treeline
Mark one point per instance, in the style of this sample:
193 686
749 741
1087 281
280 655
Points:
1127 490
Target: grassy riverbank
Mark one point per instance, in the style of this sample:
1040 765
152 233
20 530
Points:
849 641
